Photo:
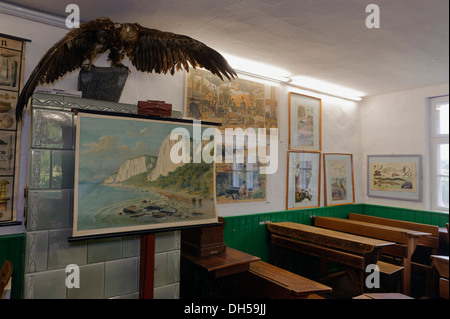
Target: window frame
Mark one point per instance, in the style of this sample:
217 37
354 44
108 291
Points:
436 139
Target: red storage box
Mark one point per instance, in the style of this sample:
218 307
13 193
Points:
158 108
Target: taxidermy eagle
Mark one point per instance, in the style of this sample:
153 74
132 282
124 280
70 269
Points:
148 50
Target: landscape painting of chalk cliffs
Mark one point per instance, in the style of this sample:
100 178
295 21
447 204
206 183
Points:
125 179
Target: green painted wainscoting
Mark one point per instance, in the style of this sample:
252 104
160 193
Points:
411 215
249 234
12 247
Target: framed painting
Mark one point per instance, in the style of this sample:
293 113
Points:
240 182
339 182
395 177
236 104
134 174
303 180
305 122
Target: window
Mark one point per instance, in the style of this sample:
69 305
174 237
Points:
439 153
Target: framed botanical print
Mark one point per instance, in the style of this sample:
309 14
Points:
303 180
395 177
339 182
305 122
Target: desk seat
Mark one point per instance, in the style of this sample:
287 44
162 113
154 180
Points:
382 296
277 283
388 268
441 265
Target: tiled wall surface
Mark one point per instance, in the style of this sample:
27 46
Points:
109 267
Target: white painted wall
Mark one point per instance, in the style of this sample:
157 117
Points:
397 123
391 123
340 134
340 118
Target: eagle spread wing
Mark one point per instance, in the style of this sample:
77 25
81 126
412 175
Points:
149 50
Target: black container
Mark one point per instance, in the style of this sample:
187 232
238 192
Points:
102 83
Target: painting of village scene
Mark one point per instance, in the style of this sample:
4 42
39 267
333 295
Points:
240 182
125 179
395 177
238 103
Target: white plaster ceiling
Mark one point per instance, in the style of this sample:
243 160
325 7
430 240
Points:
324 39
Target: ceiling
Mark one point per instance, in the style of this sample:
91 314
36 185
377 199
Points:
323 39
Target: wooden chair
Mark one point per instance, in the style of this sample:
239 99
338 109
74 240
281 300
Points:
5 275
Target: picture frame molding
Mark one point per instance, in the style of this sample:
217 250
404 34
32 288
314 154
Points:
288 200
79 234
416 197
326 182
291 145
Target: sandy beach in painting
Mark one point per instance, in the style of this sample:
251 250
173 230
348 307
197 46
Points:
133 206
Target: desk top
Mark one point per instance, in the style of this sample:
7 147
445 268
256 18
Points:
327 237
384 232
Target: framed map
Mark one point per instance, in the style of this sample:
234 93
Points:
128 176
395 176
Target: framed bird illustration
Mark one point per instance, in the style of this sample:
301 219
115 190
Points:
149 50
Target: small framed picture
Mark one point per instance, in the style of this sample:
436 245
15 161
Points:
395 177
305 118
303 180
339 184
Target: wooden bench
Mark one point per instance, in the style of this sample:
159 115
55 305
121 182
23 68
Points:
5 275
354 252
273 282
441 265
382 296
431 240
406 240
419 265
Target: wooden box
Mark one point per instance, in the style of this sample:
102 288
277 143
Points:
157 108
204 241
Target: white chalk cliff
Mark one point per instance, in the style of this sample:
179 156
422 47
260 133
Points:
132 167
164 165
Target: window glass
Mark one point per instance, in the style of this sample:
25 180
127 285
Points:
439 193
442 192
442 113
443 159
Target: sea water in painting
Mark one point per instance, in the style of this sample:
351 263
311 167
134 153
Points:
126 181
